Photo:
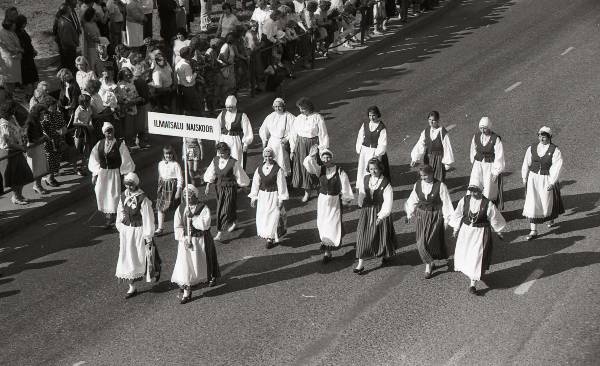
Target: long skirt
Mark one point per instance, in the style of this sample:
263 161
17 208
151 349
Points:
374 240
481 174
473 254
36 159
15 171
226 206
52 157
132 253
435 160
542 205
430 235
108 190
329 221
301 178
190 266
366 154
282 157
165 194
267 215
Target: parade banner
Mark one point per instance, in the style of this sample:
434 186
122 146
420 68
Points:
182 126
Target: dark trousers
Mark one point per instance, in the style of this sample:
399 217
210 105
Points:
148 26
67 58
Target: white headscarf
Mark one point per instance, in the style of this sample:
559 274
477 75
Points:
278 101
545 129
231 101
485 122
106 126
326 152
132 177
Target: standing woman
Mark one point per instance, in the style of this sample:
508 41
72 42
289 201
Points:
36 158
28 69
375 236
226 60
235 131
308 130
134 24
196 253
487 157
275 132
269 190
434 148
372 143
91 36
335 191
227 175
431 206
68 99
11 54
135 223
109 160
541 169
54 127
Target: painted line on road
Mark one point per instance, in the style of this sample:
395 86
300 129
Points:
567 51
514 86
525 286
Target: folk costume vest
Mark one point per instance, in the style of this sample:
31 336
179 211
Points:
435 147
371 138
485 152
236 125
193 231
132 214
268 183
431 202
109 159
478 219
225 176
541 164
330 187
374 197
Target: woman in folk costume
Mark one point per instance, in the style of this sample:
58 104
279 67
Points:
487 157
334 192
196 254
275 133
371 143
235 130
135 223
540 172
473 220
375 233
109 160
226 173
434 148
431 206
308 130
269 190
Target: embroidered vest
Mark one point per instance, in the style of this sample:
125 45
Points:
236 125
268 183
371 138
541 164
193 231
112 158
435 146
485 153
432 201
132 214
479 219
225 176
374 197
330 187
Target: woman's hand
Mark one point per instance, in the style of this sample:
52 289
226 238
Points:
207 190
178 194
94 179
378 221
314 150
253 203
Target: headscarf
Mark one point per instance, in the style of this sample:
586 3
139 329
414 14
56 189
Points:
278 101
231 101
326 152
192 190
268 150
485 122
474 187
106 126
545 129
132 177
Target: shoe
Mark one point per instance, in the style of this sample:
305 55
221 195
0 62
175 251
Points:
450 266
472 290
269 244
51 182
82 172
186 299
19 201
129 295
532 235
358 270
427 275
232 227
218 236
158 232
40 190
107 224
326 259
551 225
305 198
212 282
385 261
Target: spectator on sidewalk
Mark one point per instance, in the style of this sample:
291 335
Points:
54 127
228 21
104 63
186 84
69 93
36 141
41 91
162 83
134 25
84 73
11 54
148 10
180 41
91 36
226 59
168 24
66 36
83 136
15 171
28 68
128 100
260 15
115 21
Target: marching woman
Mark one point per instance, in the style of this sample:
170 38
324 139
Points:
226 173
269 190
275 132
371 143
235 130
540 171
334 192
109 160
170 183
196 254
434 148
487 157
135 223
308 130
375 233
431 206
473 220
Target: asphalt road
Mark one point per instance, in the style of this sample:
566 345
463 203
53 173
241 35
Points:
523 63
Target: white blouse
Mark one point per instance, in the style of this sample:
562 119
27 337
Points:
498 164
309 127
418 151
381 142
282 191
247 134
170 170
496 219
199 222
388 197
413 200
276 125
241 177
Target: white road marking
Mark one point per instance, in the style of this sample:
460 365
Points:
308 296
79 363
515 85
51 223
451 127
5 264
71 213
567 51
394 51
525 286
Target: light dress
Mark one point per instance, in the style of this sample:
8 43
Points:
275 133
269 189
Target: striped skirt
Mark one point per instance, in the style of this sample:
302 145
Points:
165 194
430 235
226 206
301 178
374 240
212 263
435 160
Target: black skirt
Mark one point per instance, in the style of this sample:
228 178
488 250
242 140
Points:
226 206
430 235
212 263
15 170
374 240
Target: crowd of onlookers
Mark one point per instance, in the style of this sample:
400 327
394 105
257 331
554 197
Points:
114 68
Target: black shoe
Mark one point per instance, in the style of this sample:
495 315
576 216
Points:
129 295
212 282
472 290
270 244
358 270
427 275
326 259
186 299
450 266
385 261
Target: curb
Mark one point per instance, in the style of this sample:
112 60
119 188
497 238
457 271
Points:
252 106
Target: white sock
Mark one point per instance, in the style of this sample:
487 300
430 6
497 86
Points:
360 263
532 227
131 288
186 292
428 267
473 282
161 219
327 253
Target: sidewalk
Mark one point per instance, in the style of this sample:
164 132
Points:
74 187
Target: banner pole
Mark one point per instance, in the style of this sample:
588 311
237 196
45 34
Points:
186 172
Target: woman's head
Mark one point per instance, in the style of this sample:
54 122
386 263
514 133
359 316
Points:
545 135
275 15
327 157
268 155
223 150
312 6
305 105
230 37
131 181
475 190
182 34
84 101
192 194
279 105
373 113
89 14
21 21
375 167
92 86
426 173
434 119
186 53
37 112
41 89
125 74
121 50
50 102
64 75
82 63
108 130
